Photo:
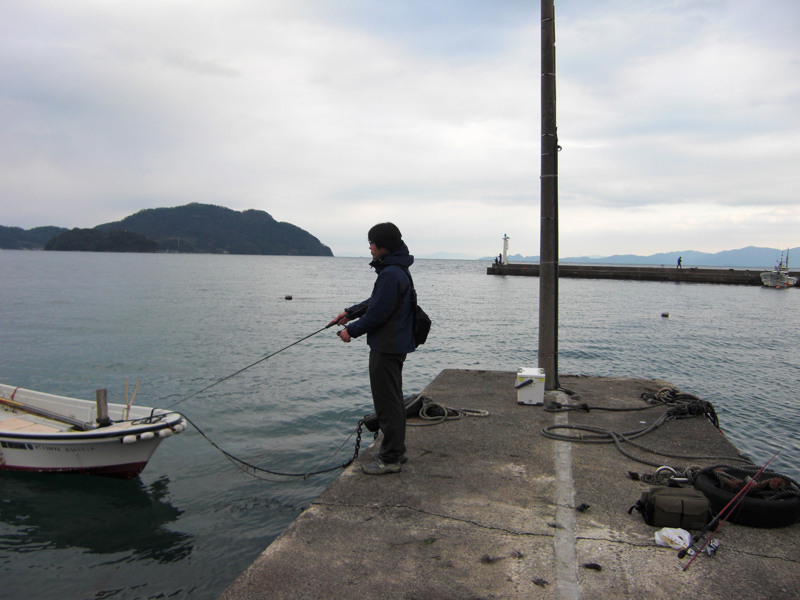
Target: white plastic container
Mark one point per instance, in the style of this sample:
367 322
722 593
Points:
530 386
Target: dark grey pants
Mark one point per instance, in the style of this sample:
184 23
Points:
386 381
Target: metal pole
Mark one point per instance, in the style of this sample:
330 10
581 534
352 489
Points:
548 261
101 398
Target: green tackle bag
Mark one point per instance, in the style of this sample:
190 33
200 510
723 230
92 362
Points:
685 508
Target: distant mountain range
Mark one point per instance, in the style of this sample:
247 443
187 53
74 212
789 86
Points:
191 228
216 229
751 256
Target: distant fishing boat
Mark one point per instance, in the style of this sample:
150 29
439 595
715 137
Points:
779 276
47 433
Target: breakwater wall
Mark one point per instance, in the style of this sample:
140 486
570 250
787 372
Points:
639 273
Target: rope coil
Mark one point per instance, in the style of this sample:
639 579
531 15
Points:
680 406
435 413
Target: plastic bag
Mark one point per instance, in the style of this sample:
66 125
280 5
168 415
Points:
674 538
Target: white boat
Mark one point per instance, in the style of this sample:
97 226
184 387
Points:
47 433
779 276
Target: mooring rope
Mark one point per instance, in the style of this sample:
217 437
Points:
682 406
431 411
255 471
435 413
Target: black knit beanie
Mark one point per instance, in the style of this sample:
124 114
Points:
386 235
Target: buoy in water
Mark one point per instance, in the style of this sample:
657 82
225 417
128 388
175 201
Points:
665 315
287 297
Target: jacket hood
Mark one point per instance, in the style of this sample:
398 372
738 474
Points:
399 257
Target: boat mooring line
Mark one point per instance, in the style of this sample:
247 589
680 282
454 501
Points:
260 360
564 539
255 471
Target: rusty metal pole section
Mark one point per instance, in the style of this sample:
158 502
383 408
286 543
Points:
548 275
101 398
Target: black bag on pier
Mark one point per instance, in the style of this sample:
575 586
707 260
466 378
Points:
673 507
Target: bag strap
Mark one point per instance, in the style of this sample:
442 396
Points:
413 288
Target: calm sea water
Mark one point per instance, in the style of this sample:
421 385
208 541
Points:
191 523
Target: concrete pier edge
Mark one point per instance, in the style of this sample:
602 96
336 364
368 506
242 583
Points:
485 508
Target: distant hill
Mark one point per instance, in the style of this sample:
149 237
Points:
16 238
750 256
92 240
216 229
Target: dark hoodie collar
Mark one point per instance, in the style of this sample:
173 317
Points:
399 257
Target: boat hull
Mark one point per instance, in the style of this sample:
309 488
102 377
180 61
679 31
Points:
777 279
32 442
101 457
779 276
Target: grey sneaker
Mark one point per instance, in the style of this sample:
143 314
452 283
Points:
403 459
381 468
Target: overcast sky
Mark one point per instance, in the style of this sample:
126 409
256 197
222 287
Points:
679 119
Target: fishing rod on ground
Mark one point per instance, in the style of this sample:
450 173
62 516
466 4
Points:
723 515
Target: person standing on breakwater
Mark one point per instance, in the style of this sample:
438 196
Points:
680 262
387 319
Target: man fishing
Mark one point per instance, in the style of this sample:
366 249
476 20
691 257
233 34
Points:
387 319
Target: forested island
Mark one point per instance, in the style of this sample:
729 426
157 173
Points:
16 238
202 228
93 240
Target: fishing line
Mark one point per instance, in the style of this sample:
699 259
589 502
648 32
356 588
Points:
254 470
260 360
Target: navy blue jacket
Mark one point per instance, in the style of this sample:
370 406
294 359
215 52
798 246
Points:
387 316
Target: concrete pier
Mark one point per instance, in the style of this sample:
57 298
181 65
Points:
640 273
487 508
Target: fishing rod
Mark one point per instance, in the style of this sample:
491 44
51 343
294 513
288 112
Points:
719 519
259 472
260 360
